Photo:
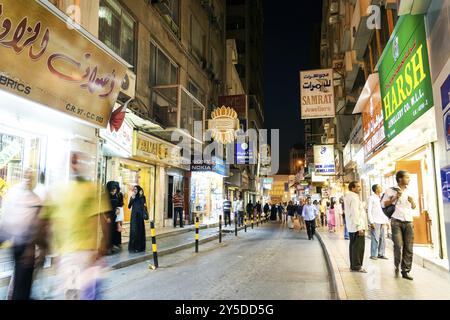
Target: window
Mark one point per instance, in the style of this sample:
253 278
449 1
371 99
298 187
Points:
116 29
197 44
162 70
196 91
170 9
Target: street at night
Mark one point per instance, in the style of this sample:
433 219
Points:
225 158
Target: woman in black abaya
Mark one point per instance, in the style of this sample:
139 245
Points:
137 227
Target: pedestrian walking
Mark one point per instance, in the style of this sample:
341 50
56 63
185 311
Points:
310 214
138 208
273 212
356 224
249 210
75 212
377 221
178 206
290 213
323 208
317 205
266 209
401 222
21 223
240 211
258 208
227 211
331 215
280 212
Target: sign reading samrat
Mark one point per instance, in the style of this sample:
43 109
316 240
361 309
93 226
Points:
405 80
317 94
45 61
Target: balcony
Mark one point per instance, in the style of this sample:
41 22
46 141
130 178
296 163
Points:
175 109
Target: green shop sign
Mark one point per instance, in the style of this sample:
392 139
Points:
405 81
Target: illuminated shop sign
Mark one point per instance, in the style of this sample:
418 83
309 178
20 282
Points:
317 94
405 82
324 161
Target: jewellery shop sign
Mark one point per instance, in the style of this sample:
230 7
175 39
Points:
44 60
150 148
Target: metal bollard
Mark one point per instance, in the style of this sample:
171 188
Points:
196 233
154 247
236 228
220 229
245 223
257 219
252 220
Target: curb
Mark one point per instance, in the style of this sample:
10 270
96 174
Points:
337 284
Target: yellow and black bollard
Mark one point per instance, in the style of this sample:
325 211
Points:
196 234
154 247
252 219
220 229
245 223
236 225
257 219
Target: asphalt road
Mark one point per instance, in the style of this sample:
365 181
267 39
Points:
269 262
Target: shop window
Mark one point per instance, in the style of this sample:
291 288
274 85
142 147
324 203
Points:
170 10
117 29
162 70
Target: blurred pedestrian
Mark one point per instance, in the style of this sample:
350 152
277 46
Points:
240 211
178 206
266 209
323 208
310 214
346 235
280 212
77 211
332 216
22 225
290 213
227 210
356 224
377 221
138 208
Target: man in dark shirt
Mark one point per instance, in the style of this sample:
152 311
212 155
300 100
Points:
178 206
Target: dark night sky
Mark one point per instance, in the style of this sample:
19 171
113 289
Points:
291 44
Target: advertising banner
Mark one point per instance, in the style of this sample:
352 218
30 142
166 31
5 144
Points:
317 94
373 124
324 160
45 61
405 80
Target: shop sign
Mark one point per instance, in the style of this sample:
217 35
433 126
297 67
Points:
405 80
215 164
244 153
347 153
324 160
317 94
373 124
237 102
151 148
122 138
45 61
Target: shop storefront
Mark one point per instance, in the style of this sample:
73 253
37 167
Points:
399 125
50 107
207 189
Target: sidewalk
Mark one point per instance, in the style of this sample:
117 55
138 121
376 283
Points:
379 283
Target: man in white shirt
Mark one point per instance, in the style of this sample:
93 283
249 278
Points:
377 221
310 213
355 217
401 223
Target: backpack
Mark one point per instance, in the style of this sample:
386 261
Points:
389 210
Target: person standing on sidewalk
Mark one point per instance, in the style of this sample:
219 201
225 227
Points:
240 211
310 213
355 216
178 206
332 216
377 221
227 211
401 223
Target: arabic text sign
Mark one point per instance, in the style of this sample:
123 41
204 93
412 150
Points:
405 80
44 61
324 160
317 94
